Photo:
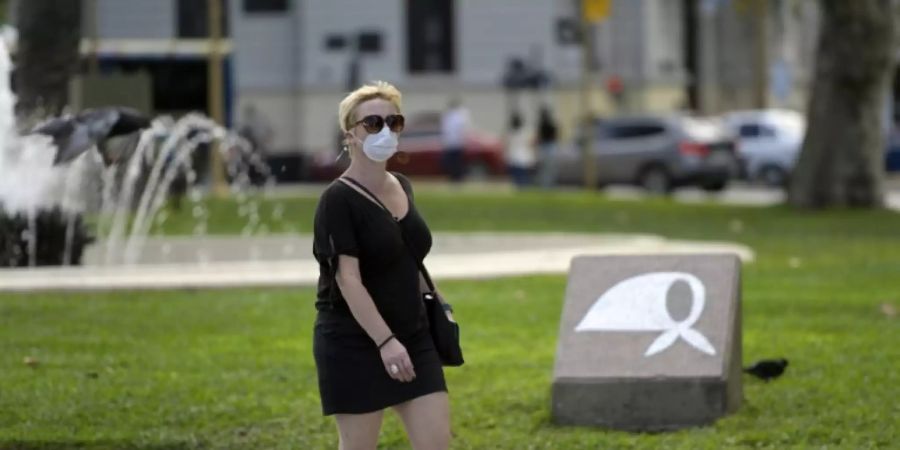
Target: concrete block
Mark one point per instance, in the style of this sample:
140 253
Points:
649 342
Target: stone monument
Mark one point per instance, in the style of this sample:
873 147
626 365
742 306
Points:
649 343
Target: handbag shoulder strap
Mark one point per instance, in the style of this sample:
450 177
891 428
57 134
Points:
367 192
422 268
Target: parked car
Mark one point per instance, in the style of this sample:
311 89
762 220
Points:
420 150
892 151
658 153
769 143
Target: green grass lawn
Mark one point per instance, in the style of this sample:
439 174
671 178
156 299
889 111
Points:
233 369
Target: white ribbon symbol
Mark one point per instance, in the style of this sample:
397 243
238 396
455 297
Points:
639 304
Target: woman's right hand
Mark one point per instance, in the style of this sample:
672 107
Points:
393 354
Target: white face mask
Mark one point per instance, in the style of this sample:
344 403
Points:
380 147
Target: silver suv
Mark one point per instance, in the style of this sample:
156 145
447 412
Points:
658 153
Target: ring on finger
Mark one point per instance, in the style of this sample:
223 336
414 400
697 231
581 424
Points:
394 369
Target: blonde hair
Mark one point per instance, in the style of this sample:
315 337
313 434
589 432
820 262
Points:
375 89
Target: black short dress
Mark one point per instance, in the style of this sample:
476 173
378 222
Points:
352 377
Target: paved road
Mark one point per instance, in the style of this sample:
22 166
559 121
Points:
223 262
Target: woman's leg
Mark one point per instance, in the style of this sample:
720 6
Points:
427 421
359 431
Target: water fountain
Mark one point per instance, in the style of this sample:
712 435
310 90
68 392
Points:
43 205
123 187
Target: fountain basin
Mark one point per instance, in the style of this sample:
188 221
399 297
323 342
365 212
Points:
454 256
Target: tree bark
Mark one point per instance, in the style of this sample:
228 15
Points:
841 163
48 54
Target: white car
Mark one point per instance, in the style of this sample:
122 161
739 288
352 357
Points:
769 142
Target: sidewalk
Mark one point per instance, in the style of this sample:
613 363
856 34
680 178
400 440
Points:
454 256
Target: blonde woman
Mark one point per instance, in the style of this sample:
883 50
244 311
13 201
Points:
371 343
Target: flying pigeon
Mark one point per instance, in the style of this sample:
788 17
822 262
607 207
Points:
74 135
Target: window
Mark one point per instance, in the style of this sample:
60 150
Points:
265 6
755 130
430 36
631 131
193 22
749 130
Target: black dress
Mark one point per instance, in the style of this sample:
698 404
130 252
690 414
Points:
352 377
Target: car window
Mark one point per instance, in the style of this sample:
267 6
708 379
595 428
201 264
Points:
767 131
749 130
634 130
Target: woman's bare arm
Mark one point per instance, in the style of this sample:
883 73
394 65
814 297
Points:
393 353
358 299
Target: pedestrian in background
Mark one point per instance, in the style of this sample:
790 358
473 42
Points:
455 125
520 157
548 134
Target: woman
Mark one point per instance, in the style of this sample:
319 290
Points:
371 342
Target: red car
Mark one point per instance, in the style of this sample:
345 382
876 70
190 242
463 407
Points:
420 152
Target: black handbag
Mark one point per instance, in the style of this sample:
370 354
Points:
444 332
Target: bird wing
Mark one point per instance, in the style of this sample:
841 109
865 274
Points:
129 120
57 128
76 143
98 121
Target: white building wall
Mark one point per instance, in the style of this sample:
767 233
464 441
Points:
664 34
136 19
489 32
267 71
323 69
265 48
622 41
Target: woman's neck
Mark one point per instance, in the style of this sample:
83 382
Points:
369 173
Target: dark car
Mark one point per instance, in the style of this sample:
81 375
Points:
658 153
420 149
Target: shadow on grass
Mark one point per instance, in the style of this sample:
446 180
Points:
93 445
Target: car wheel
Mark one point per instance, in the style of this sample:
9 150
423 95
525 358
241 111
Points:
772 176
655 180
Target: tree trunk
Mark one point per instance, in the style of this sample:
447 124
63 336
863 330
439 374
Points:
48 54
841 163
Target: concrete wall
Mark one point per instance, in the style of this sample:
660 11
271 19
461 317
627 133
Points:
136 19
266 48
327 70
268 70
281 65
489 32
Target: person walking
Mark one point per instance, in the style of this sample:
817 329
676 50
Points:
520 158
371 341
547 144
455 125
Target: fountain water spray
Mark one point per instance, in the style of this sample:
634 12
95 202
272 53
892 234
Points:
42 205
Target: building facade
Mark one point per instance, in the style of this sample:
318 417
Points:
292 60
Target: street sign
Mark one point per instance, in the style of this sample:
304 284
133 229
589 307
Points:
595 10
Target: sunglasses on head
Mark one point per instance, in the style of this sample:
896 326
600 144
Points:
373 124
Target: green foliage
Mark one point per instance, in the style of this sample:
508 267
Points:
233 369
